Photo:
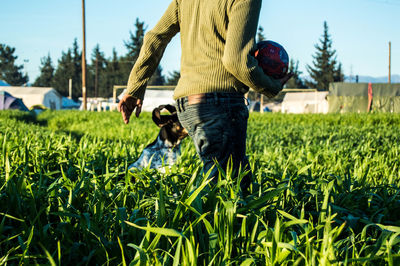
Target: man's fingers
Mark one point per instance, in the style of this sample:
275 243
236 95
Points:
125 114
138 109
127 105
289 76
286 78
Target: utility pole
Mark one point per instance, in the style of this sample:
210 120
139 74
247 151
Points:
70 88
84 58
96 84
390 59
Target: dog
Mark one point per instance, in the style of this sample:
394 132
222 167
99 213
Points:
165 149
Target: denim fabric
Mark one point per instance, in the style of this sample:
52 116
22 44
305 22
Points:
218 129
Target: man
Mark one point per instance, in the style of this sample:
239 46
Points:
217 69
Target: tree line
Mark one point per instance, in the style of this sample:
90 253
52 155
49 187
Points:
325 67
103 73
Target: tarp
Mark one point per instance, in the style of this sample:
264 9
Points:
354 97
68 103
3 83
7 101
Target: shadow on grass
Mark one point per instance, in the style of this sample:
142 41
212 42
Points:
31 118
21 116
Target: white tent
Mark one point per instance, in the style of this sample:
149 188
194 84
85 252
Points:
154 98
305 102
31 96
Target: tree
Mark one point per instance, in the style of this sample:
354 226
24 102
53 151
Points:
45 78
77 66
9 71
114 74
133 45
324 69
173 78
97 71
135 42
295 81
338 76
63 73
260 34
69 67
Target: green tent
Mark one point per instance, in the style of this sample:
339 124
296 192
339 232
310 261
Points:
354 97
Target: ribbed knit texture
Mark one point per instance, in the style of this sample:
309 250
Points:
217 39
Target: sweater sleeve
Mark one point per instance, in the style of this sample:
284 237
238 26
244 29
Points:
240 43
154 43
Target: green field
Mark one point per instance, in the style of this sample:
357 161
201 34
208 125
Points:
326 191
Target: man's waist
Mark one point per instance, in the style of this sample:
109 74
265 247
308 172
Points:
211 96
193 86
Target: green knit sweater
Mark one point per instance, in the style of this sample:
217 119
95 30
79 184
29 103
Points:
217 40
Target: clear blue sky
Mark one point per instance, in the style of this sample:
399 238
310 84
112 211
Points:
360 29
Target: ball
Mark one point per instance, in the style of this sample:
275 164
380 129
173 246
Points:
272 58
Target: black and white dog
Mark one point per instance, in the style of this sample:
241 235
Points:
165 149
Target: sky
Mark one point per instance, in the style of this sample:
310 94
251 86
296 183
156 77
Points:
360 30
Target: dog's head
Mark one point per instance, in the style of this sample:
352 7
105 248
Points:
171 129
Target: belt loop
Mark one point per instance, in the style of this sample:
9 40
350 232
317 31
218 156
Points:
183 104
178 101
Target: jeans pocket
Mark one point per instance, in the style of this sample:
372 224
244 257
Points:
197 114
210 139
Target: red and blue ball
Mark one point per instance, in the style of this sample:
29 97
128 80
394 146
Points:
272 58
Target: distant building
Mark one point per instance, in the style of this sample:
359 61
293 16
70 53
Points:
32 96
305 102
153 98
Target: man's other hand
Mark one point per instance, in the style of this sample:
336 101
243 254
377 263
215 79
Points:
127 105
286 78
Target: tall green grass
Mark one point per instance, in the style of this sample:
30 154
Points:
325 191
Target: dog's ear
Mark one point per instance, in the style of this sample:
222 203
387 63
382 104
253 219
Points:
162 120
169 107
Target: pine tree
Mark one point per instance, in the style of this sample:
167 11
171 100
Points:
114 74
338 76
97 71
133 45
63 73
46 76
77 67
69 67
135 42
324 64
260 34
9 71
173 78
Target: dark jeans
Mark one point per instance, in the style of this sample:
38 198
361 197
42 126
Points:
218 128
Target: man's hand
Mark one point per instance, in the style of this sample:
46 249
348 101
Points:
127 105
286 78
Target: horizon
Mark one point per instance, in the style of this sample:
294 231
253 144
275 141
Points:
37 29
